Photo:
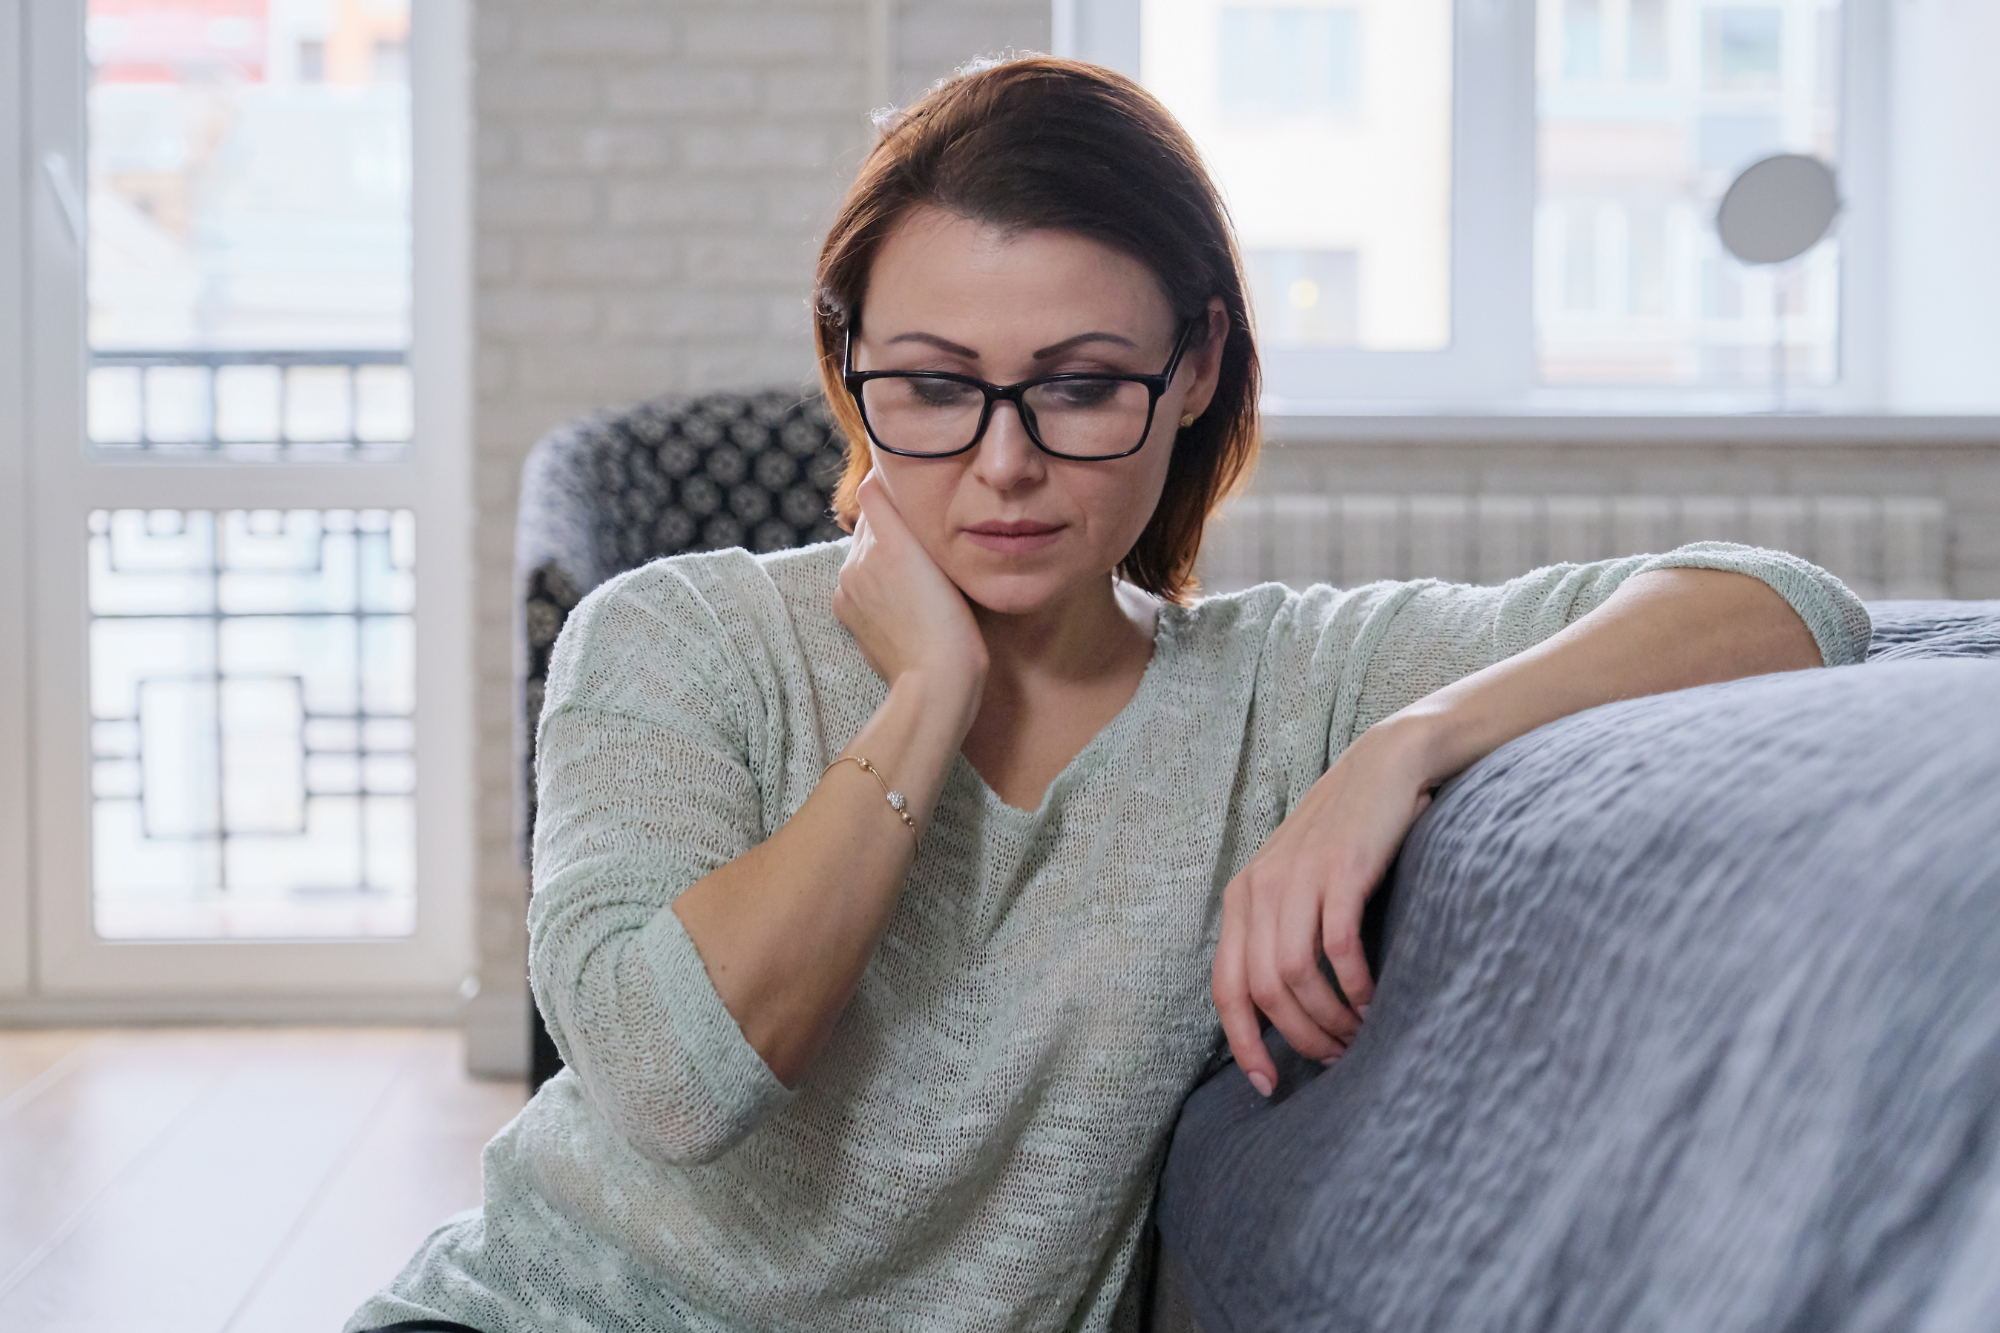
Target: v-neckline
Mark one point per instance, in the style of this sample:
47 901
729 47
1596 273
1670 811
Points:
1086 760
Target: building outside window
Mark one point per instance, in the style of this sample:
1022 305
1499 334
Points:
1293 103
1646 110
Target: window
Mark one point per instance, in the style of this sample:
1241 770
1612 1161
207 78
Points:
251 496
1646 112
249 226
1521 197
1287 61
248 286
1293 102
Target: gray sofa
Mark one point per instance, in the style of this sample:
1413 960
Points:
1689 1014
1688 1018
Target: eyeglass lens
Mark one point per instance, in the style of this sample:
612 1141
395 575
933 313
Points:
1086 418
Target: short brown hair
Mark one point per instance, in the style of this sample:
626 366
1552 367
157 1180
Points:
1043 144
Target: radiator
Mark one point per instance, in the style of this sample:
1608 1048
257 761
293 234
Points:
1881 546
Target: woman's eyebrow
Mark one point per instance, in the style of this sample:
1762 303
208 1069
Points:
1053 349
942 344
1057 349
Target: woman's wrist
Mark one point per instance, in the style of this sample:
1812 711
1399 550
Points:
1427 743
916 733
944 690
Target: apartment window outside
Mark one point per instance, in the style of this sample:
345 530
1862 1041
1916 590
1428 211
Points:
1288 60
1646 110
1526 194
249 188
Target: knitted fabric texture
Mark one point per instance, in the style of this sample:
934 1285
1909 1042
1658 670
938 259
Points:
977 1145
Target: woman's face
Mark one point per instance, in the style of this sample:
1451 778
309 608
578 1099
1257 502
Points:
1016 529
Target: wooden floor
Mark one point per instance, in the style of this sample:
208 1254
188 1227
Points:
247 1180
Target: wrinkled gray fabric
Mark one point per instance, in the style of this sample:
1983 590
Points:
1934 629
1689 1019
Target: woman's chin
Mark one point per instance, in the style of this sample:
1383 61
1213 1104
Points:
1011 594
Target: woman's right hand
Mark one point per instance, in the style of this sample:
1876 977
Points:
904 614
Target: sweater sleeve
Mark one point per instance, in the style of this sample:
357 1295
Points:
645 786
1426 635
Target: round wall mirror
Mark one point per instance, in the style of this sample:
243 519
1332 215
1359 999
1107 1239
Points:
1778 209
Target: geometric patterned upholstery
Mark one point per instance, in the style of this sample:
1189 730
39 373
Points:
613 491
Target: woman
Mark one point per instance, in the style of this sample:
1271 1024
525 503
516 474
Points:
892 894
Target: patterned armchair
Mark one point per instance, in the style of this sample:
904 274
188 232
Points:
613 491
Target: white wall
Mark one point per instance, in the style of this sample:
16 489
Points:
653 177
1944 272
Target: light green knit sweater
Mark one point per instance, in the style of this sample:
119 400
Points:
977 1145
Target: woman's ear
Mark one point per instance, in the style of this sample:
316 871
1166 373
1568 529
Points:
1205 358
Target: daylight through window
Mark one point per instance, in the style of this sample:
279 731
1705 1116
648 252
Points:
252 663
252 681
1648 109
249 227
1292 105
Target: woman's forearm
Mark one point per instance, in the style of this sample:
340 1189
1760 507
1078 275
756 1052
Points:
786 929
1301 896
1669 629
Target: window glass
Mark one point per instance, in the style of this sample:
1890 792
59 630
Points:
252 681
249 226
1648 110
1328 128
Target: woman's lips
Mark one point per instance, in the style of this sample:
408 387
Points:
1015 537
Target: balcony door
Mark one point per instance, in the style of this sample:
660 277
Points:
249 518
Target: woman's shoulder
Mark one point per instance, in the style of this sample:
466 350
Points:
724 575
702 615
699 591
1272 612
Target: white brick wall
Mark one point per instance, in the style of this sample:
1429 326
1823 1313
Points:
652 180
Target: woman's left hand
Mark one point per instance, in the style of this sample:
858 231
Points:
1303 894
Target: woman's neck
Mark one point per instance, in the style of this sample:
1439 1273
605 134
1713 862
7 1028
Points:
1097 630
1054 679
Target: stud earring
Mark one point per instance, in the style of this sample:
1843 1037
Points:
1187 419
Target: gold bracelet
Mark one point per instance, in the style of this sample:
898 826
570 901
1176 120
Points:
896 799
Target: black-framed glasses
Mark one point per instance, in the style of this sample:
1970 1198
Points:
1087 416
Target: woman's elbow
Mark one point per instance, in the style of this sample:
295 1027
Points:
670 1120
1727 624
680 1141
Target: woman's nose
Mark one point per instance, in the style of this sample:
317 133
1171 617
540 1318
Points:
1006 457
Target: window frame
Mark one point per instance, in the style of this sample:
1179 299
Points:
1490 364
16 919
67 969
